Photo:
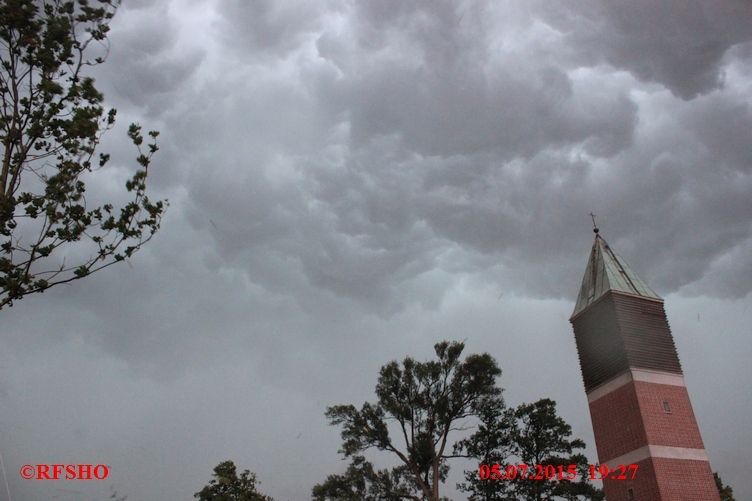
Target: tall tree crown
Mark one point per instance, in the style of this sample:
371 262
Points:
427 401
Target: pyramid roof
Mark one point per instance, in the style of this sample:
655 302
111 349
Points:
607 271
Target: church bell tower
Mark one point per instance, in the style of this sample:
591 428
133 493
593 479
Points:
639 405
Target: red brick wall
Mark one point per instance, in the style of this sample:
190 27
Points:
644 485
677 428
617 423
633 416
680 480
684 480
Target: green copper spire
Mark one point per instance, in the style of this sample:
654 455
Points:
607 271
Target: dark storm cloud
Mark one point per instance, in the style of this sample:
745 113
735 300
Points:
444 132
267 27
679 44
723 123
430 79
397 134
152 65
684 192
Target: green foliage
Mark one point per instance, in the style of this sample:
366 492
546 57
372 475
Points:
532 434
726 492
362 483
427 401
492 443
51 123
228 486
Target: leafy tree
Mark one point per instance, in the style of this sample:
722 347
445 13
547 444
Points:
228 486
542 437
491 444
726 492
427 401
51 123
361 482
535 435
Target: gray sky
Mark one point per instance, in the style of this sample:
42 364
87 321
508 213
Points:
352 182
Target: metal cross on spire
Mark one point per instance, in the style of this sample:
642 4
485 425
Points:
595 227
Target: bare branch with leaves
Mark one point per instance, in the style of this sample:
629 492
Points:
52 120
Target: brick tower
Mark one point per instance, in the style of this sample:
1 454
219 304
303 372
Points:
635 388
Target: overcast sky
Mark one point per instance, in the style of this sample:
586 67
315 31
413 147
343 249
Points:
353 181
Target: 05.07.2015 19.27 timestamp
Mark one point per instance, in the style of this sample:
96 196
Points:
551 472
